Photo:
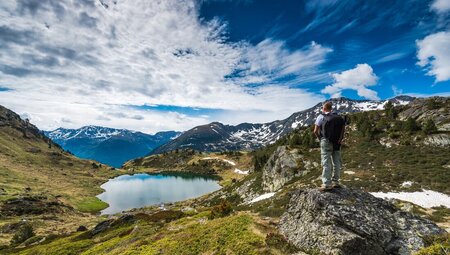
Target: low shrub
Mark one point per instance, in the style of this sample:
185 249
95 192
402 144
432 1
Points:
221 210
24 232
279 242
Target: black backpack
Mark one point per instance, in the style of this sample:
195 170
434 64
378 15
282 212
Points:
332 127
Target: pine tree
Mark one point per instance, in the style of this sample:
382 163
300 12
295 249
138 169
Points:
411 125
390 110
295 140
429 127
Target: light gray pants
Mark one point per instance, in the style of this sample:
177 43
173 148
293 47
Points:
331 162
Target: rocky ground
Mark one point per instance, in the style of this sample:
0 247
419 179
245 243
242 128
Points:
349 221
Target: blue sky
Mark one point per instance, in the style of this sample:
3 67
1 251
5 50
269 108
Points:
172 65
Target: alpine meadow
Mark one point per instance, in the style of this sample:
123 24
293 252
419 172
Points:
225 127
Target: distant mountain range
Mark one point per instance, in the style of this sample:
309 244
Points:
247 136
108 145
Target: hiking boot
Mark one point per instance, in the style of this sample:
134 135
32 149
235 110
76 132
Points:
325 188
336 185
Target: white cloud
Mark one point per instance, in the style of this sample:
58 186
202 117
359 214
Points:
433 54
441 6
60 55
396 90
271 59
358 78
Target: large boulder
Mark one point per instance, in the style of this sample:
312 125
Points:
282 166
350 221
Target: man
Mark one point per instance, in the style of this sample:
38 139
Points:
329 129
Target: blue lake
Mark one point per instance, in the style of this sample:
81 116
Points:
134 191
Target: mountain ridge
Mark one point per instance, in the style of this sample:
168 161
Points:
110 146
216 136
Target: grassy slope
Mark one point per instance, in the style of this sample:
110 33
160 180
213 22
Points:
49 173
375 168
239 233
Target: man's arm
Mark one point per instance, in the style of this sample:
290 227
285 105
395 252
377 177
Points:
317 125
342 135
317 131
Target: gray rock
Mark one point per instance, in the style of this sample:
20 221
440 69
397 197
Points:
246 192
349 221
419 110
441 140
283 166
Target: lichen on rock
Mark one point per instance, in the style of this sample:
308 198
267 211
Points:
283 166
350 221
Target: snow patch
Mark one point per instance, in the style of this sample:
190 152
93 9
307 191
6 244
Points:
425 198
224 160
407 184
229 162
239 171
349 172
262 197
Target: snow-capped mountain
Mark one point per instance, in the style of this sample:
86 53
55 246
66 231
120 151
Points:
92 132
108 145
247 136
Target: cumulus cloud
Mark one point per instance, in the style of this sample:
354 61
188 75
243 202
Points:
359 79
102 55
441 6
433 53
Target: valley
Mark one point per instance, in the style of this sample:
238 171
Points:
397 148
108 145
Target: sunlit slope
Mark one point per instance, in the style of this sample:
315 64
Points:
41 182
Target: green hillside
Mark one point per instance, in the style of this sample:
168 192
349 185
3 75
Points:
383 149
43 185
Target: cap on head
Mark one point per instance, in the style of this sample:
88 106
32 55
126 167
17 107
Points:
327 106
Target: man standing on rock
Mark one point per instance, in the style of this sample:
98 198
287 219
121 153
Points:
329 129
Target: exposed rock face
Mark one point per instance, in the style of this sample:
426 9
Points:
283 166
348 221
442 140
246 191
435 108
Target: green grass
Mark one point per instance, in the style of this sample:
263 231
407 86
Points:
91 205
230 235
436 245
440 214
234 234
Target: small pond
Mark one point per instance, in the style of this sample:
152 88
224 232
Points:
134 191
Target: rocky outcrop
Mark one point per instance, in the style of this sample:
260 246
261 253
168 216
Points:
349 221
441 140
388 142
32 205
435 108
283 166
9 118
248 190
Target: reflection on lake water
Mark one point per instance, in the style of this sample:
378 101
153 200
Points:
133 191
